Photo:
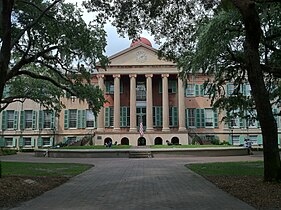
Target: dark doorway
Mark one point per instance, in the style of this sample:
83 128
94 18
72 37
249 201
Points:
107 140
125 141
141 141
158 141
175 140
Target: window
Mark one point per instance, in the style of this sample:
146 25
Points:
191 117
173 116
71 139
235 139
124 116
141 91
253 139
109 87
72 118
10 119
9 142
209 118
46 141
230 89
27 142
28 119
47 119
157 116
90 119
109 113
172 86
190 90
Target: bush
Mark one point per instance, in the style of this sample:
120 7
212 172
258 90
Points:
27 150
8 152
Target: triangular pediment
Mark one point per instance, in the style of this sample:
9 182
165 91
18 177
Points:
139 55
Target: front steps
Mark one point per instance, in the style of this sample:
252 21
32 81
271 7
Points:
140 154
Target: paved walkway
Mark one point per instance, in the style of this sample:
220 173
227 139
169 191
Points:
157 183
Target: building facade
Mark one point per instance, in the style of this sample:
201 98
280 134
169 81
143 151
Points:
147 104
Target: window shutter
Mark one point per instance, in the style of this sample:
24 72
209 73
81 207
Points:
186 118
53 114
14 142
40 141
83 123
197 92
202 90
2 142
242 122
175 116
228 89
198 118
278 138
51 141
79 118
216 125
34 120
22 120
107 86
16 113
241 139
107 117
174 86
41 119
260 139
203 118
32 141
230 138
160 86
4 120
66 112
21 143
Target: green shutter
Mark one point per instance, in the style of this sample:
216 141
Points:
41 119
107 117
216 125
260 139
4 120
22 120
175 116
123 116
230 138
278 138
201 90
2 142
53 114
242 122
32 141
197 92
241 139
14 142
40 141
198 118
21 143
66 113
16 117
203 118
51 141
79 118
186 118
174 86
83 123
107 86
34 120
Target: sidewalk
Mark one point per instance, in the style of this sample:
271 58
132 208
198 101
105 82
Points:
157 183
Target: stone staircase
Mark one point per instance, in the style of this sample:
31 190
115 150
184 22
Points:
140 154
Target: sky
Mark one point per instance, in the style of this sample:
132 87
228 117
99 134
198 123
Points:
115 43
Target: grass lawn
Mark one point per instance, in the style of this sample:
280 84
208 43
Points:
188 146
230 169
43 169
97 147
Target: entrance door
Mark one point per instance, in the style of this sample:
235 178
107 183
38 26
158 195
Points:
141 117
141 141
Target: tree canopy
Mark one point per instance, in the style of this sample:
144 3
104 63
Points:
235 41
48 50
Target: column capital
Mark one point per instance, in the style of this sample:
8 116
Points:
132 75
164 75
100 75
149 75
116 75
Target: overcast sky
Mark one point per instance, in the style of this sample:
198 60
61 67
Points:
115 43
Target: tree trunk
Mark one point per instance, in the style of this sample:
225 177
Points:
272 167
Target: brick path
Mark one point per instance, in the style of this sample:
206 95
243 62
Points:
157 183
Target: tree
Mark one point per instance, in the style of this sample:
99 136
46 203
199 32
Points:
48 50
232 40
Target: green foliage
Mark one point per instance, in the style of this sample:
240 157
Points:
43 169
230 169
7 152
53 51
97 147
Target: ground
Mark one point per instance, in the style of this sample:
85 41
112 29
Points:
16 189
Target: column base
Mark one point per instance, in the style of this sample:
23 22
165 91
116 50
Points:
165 129
182 129
133 130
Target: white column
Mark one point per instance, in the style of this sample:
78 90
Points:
149 103
133 122
100 121
116 122
165 102
181 103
